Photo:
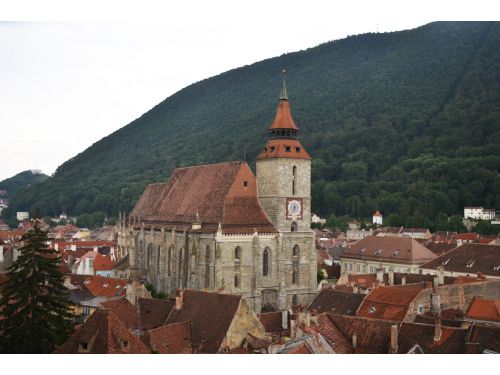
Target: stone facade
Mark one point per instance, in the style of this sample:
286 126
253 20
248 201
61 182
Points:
273 266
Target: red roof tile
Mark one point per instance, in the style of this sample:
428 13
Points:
283 148
389 249
103 263
124 310
170 339
484 309
337 302
283 118
338 342
216 191
452 340
102 333
210 314
153 312
100 286
389 302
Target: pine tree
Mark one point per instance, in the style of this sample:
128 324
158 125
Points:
34 303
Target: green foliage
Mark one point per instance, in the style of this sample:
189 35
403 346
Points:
406 122
341 223
485 227
34 301
21 181
154 292
93 220
320 275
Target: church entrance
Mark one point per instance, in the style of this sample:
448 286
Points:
269 300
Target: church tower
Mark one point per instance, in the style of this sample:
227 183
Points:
284 173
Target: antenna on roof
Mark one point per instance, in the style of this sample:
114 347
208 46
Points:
244 155
283 94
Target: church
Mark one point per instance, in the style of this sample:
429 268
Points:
219 227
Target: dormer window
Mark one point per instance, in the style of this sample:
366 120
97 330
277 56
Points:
272 148
362 251
297 149
245 183
288 149
497 268
445 262
372 310
470 263
378 252
265 149
395 253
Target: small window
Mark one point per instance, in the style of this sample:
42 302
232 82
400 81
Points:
295 251
237 253
265 149
288 149
272 148
378 252
294 277
236 281
470 263
420 309
372 310
245 183
297 149
294 227
395 253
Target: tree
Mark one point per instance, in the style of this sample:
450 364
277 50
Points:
35 302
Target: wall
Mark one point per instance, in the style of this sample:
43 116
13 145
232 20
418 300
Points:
245 322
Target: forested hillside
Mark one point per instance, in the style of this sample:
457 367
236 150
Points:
405 122
22 180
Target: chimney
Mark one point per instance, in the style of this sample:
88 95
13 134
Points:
380 274
354 341
178 300
394 338
391 276
403 280
435 281
293 328
437 328
440 274
284 319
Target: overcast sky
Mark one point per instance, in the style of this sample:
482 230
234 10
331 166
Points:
80 72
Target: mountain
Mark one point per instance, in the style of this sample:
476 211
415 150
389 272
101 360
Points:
21 181
406 122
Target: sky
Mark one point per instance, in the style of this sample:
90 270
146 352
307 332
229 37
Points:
73 72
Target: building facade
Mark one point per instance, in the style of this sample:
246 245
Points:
220 228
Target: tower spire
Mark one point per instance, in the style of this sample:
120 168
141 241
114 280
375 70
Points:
283 94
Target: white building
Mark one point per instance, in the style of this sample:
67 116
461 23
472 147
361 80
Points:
22 215
315 219
378 218
479 213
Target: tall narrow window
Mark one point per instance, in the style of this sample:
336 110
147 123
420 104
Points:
265 262
294 227
237 254
294 181
169 259
207 267
236 280
295 251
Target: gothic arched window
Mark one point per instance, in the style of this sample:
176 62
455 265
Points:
237 253
295 251
294 181
169 259
236 280
207 267
265 262
294 227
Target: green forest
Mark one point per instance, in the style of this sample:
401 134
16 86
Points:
405 122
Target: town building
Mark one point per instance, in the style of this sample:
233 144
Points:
377 218
479 213
401 254
218 227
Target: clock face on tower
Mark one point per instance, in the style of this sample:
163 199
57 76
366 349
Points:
294 208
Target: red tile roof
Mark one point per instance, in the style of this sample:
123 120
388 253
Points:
153 312
338 342
389 249
484 309
103 263
483 338
452 340
469 259
215 191
283 148
467 236
170 339
389 302
336 302
210 314
124 310
283 118
100 286
103 333
272 321
377 213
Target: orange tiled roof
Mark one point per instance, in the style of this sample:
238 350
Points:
100 286
283 118
484 309
223 193
283 148
170 339
103 263
389 302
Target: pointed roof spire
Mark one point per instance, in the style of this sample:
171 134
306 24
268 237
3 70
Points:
283 94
